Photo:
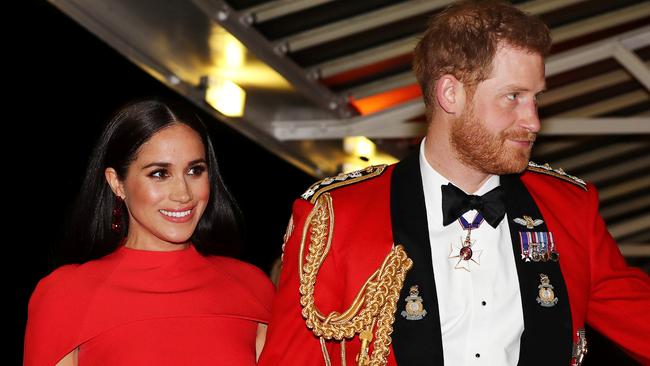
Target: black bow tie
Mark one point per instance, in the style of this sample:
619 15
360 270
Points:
456 202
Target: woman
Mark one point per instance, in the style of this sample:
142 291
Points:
152 213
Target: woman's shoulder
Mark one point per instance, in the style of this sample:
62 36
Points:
65 286
53 308
240 269
57 309
60 281
70 282
246 274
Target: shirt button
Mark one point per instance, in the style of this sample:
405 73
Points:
483 303
477 355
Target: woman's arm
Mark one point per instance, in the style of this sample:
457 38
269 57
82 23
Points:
259 341
71 358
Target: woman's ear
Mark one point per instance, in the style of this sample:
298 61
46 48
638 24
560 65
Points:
114 181
450 94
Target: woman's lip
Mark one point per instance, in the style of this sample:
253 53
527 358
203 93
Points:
178 219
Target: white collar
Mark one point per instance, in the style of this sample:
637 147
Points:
435 179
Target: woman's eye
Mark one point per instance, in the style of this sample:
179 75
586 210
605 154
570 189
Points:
159 174
196 170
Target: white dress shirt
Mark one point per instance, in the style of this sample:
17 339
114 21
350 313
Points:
480 310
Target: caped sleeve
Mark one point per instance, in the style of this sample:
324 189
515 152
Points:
620 295
54 318
254 288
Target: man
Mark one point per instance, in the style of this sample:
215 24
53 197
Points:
507 260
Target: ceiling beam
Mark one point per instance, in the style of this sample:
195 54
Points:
406 45
585 86
629 226
367 56
554 65
544 6
219 11
595 126
600 22
633 64
559 125
359 23
598 154
380 86
613 104
546 147
640 237
379 125
596 51
624 167
278 8
628 186
635 250
623 207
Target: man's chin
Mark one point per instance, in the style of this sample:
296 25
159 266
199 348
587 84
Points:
508 166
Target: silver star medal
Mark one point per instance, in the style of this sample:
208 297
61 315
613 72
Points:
465 253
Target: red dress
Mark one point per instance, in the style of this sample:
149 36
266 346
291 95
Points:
136 307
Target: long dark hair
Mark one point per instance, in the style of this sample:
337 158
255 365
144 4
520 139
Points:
90 234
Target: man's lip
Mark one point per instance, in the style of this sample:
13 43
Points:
523 142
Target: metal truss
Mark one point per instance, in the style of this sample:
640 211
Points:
240 25
392 123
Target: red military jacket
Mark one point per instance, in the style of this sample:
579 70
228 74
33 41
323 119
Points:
380 206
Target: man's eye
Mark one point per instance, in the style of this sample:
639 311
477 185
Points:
512 96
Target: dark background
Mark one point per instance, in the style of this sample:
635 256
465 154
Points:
63 84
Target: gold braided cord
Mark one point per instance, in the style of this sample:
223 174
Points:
373 306
323 349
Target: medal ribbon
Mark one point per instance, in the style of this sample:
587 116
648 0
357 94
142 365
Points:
478 220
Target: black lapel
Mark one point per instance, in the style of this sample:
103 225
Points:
547 338
415 342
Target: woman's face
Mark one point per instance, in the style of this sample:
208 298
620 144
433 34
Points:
166 189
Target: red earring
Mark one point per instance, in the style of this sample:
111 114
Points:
117 225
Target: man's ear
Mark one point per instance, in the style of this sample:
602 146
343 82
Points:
114 181
450 94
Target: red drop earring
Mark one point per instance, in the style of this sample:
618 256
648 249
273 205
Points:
117 225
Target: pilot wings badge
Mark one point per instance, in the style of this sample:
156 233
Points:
528 222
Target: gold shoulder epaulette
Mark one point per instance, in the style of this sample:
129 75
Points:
340 180
557 173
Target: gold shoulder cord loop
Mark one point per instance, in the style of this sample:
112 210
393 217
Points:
374 305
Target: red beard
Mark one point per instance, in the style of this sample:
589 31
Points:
479 148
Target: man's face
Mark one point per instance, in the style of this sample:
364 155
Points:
496 131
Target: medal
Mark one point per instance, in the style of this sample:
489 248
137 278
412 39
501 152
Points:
538 246
464 253
552 253
536 253
546 295
414 309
